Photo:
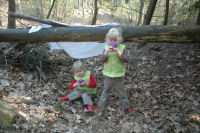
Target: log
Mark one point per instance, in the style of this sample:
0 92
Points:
36 19
149 33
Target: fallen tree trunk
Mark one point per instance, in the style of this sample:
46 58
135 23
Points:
36 19
174 34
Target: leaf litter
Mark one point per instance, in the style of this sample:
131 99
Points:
162 83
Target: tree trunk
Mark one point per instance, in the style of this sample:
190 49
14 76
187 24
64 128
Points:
50 9
95 13
198 17
150 11
78 3
11 20
19 6
37 8
83 8
41 8
174 34
141 9
166 13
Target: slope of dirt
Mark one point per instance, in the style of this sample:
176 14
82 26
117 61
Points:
162 83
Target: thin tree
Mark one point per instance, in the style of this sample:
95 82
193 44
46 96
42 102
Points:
41 8
94 20
141 10
78 3
149 13
52 5
166 13
19 6
11 20
198 17
83 8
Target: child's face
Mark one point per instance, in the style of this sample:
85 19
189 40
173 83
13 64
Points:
79 73
113 39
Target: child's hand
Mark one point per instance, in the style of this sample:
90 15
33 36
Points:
116 50
83 84
106 51
75 85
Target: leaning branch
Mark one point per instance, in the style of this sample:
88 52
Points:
36 19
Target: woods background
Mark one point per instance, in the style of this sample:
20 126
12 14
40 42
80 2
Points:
84 12
162 79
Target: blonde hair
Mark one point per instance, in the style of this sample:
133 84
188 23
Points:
114 33
78 66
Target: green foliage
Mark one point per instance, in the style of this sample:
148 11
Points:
58 106
7 116
183 122
193 6
183 12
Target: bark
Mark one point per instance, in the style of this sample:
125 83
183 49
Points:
78 4
95 13
37 8
19 6
36 19
174 34
149 13
11 20
166 13
83 8
141 9
52 5
41 5
198 17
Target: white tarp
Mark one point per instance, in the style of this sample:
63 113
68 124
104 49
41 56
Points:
79 50
76 50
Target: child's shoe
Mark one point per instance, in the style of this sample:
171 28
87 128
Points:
130 110
90 110
65 98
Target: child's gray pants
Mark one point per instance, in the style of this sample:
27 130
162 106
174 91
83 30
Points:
118 84
75 94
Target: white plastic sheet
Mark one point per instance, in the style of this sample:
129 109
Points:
79 50
35 29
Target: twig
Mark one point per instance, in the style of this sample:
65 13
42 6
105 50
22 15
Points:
40 63
22 23
55 73
5 60
40 72
135 11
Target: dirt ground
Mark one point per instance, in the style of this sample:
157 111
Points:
162 83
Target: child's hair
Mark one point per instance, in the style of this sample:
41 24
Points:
78 66
114 33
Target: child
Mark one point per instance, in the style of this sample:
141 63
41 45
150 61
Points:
114 59
83 86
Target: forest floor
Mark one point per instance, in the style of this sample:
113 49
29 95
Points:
162 83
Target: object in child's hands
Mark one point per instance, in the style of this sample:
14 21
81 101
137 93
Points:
113 44
81 80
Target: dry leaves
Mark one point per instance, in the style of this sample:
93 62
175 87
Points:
162 82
